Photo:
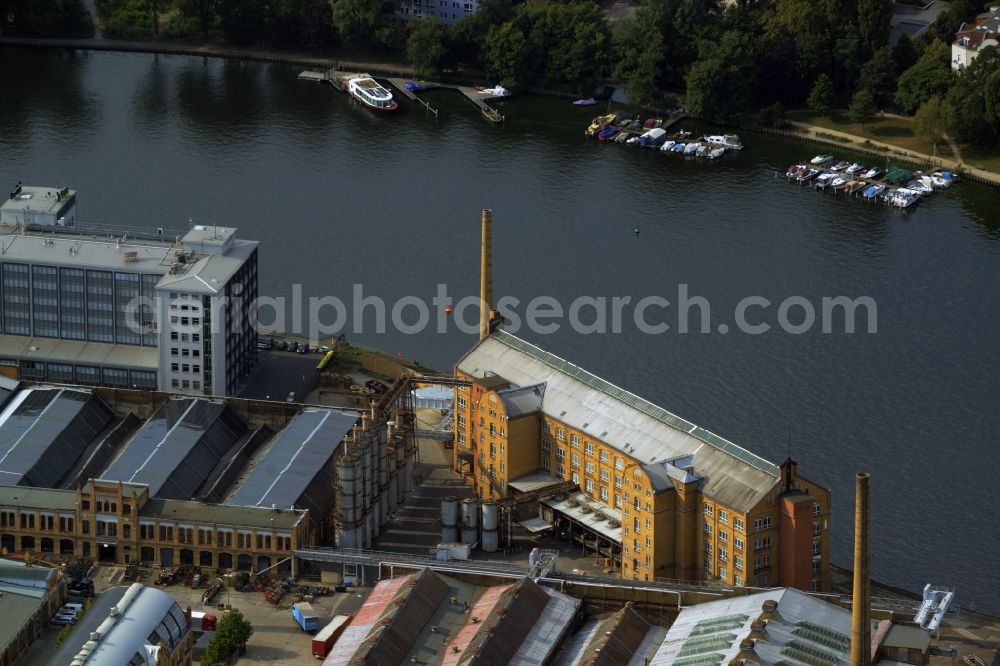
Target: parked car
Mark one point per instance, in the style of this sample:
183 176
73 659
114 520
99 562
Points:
72 608
282 345
64 617
303 348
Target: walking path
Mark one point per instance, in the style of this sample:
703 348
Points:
864 144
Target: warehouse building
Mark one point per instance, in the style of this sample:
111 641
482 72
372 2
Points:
125 476
132 625
68 308
29 597
658 496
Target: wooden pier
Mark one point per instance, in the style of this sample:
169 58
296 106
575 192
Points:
474 95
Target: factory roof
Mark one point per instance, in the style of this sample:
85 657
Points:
178 448
191 512
548 630
587 511
44 499
801 629
533 481
44 430
78 352
618 638
22 590
144 616
637 427
284 471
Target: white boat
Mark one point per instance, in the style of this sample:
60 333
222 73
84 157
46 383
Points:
821 159
905 197
938 181
857 167
667 145
731 141
874 172
919 186
367 91
632 141
716 153
702 150
824 179
691 148
838 182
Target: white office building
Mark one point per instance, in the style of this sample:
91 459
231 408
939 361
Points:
144 311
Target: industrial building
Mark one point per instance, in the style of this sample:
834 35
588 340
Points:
29 596
427 617
657 496
134 476
144 310
132 625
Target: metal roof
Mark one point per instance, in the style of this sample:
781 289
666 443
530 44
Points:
44 431
533 481
301 451
522 401
587 511
188 511
45 499
802 629
178 448
548 630
142 611
23 590
637 427
78 352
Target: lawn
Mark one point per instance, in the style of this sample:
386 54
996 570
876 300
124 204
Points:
979 158
891 129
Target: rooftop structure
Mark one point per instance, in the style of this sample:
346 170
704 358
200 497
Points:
294 469
178 448
28 596
130 625
44 431
65 314
623 637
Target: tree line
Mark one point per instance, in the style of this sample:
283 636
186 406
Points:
722 60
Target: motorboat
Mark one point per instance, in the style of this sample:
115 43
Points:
607 133
946 176
650 123
589 101
840 166
599 123
716 153
920 186
653 138
624 123
632 140
808 175
678 147
820 160
622 137
839 182
691 148
731 141
905 197
794 171
854 186
938 181
667 145
872 191
702 150
367 90
855 168
824 179
874 172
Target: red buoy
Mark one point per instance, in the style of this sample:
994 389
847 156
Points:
448 309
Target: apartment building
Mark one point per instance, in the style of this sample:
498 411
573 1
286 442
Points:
79 306
445 12
659 496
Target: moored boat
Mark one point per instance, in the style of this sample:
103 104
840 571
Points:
840 166
795 170
872 191
589 101
824 179
667 145
653 138
702 150
855 186
599 123
367 90
839 182
716 153
874 172
820 160
678 147
607 133
731 141
691 148
904 197
807 175
855 168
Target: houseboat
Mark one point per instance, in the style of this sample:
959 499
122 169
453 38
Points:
367 91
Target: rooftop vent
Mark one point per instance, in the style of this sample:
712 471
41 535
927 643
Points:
746 645
769 606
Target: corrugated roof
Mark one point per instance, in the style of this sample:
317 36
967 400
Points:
78 352
187 511
44 431
548 631
301 451
587 511
522 401
606 412
178 448
802 625
45 499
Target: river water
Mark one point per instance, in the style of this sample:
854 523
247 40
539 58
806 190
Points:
339 196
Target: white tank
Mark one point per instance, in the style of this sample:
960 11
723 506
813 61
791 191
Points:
449 512
490 542
449 535
469 535
470 513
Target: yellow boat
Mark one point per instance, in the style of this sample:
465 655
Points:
600 122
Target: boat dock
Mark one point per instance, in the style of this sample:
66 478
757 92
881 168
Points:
474 95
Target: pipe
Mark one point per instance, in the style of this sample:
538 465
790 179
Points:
486 276
861 629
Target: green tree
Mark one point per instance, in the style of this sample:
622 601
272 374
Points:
425 47
772 116
507 55
933 120
904 53
201 11
930 77
862 108
721 84
967 99
847 58
878 76
365 23
638 53
821 96
244 21
232 631
991 96
874 17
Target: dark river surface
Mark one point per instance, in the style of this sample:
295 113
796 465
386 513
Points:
338 196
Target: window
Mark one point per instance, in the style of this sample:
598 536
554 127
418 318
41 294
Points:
546 464
546 446
576 477
618 501
708 530
619 463
816 509
604 475
560 471
738 524
618 481
560 434
723 516
590 485
604 494
738 563
574 460
738 581
560 453
588 467
762 524
461 402
604 456
723 536
708 510
574 441
817 549
739 543
588 448
816 530
761 544
546 427
723 555
723 573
